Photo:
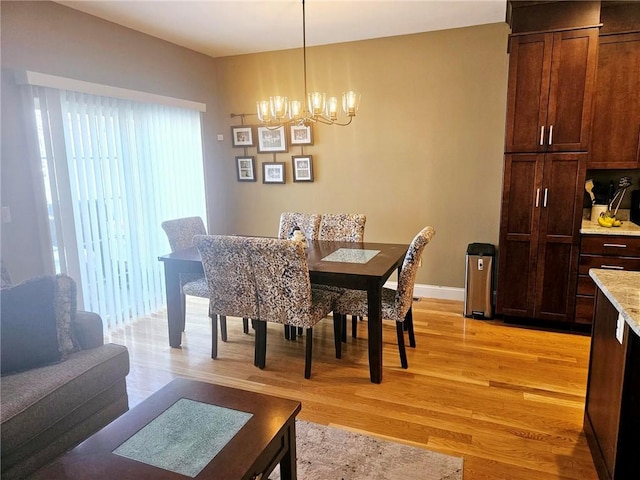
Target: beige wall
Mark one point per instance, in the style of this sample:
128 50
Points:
425 148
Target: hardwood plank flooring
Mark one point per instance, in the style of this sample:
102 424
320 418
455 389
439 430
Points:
510 400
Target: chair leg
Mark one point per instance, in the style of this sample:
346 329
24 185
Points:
408 321
223 328
260 358
401 349
293 332
344 328
300 330
354 326
337 333
287 332
308 351
245 325
214 336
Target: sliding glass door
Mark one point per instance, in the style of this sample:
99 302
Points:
114 170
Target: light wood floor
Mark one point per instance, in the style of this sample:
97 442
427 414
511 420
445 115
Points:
509 400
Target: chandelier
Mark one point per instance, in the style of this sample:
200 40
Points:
279 110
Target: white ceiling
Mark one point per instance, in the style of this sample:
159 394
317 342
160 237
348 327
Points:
231 27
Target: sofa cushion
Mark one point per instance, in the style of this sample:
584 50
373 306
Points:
28 323
38 400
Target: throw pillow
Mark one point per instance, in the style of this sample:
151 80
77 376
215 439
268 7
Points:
29 335
65 310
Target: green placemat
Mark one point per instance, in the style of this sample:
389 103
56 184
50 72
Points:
185 437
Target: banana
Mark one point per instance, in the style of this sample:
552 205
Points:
606 221
617 223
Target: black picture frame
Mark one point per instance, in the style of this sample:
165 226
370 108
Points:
302 168
242 136
301 134
273 172
246 168
272 140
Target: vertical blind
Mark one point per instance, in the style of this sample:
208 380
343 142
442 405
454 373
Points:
115 169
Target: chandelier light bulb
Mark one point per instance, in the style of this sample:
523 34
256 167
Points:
279 107
351 102
332 109
264 114
316 103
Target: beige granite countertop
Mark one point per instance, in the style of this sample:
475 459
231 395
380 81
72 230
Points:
627 228
622 288
592 228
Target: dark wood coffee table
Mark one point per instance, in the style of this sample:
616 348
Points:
266 440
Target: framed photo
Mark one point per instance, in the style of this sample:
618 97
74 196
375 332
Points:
271 140
242 136
272 172
301 135
302 168
246 168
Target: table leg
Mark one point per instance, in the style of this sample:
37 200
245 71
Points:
374 301
174 304
288 469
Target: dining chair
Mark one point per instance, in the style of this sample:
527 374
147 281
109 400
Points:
342 227
396 304
309 223
229 295
180 233
285 295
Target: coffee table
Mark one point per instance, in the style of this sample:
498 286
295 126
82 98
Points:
264 437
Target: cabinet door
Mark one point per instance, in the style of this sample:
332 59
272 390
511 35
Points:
615 135
521 200
551 81
559 237
573 68
528 92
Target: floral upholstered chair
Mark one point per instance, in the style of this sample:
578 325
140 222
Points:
342 227
285 294
180 233
396 304
309 223
229 294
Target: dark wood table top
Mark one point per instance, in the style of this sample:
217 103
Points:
94 458
353 275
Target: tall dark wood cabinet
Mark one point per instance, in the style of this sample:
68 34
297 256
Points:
541 212
550 88
615 135
549 105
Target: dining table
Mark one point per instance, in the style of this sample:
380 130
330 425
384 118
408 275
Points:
355 265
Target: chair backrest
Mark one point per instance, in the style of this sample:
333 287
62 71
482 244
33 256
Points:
229 275
181 231
407 277
342 227
282 281
309 223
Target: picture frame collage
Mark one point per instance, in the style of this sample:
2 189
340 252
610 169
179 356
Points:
272 140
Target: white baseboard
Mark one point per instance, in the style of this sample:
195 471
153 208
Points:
433 291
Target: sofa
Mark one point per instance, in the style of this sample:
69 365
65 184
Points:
60 383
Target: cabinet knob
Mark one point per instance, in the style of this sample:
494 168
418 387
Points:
546 197
550 134
542 135
537 198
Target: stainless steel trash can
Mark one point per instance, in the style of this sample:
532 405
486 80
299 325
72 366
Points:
479 280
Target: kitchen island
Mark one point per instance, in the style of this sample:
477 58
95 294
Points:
612 405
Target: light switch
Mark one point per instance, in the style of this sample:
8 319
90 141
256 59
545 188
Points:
220 137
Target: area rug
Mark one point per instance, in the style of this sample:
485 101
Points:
327 453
